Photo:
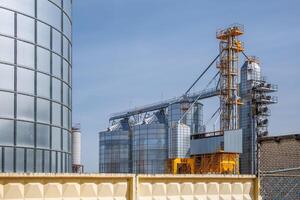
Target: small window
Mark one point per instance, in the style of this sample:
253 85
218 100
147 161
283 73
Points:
7 50
20 160
25 81
25 134
8 159
56 41
56 114
56 89
7 104
25 28
56 66
6 77
43 136
25 107
7 132
43 85
56 138
43 60
43 110
7 22
43 35
25 54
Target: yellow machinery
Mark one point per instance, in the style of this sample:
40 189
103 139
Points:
217 163
180 166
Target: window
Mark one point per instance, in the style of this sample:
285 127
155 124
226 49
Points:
7 132
39 161
7 50
70 142
25 134
65 71
58 162
6 22
43 60
49 13
42 136
67 27
56 114
56 65
24 6
25 28
8 159
53 161
65 140
25 81
65 48
56 89
7 104
43 85
46 161
57 2
6 77
65 94
43 35
25 54
67 6
25 107
20 161
65 117
70 75
43 110
56 138
29 160
56 41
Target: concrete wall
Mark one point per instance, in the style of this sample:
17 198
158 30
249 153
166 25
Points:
122 187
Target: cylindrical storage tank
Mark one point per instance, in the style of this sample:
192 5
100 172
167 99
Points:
114 154
76 146
194 117
149 148
179 141
35 85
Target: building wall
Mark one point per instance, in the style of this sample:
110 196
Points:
127 187
280 153
280 167
35 85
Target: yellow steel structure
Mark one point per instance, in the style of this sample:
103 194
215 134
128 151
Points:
180 166
230 47
217 163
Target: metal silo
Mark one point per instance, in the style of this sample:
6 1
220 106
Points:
76 150
114 155
35 85
149 146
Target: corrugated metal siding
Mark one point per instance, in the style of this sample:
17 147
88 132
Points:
233 141
206 145
230 142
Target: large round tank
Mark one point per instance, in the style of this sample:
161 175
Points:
114 151
150 150
35 85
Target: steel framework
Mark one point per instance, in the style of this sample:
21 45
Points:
230 47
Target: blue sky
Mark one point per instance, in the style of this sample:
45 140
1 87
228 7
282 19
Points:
129 53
